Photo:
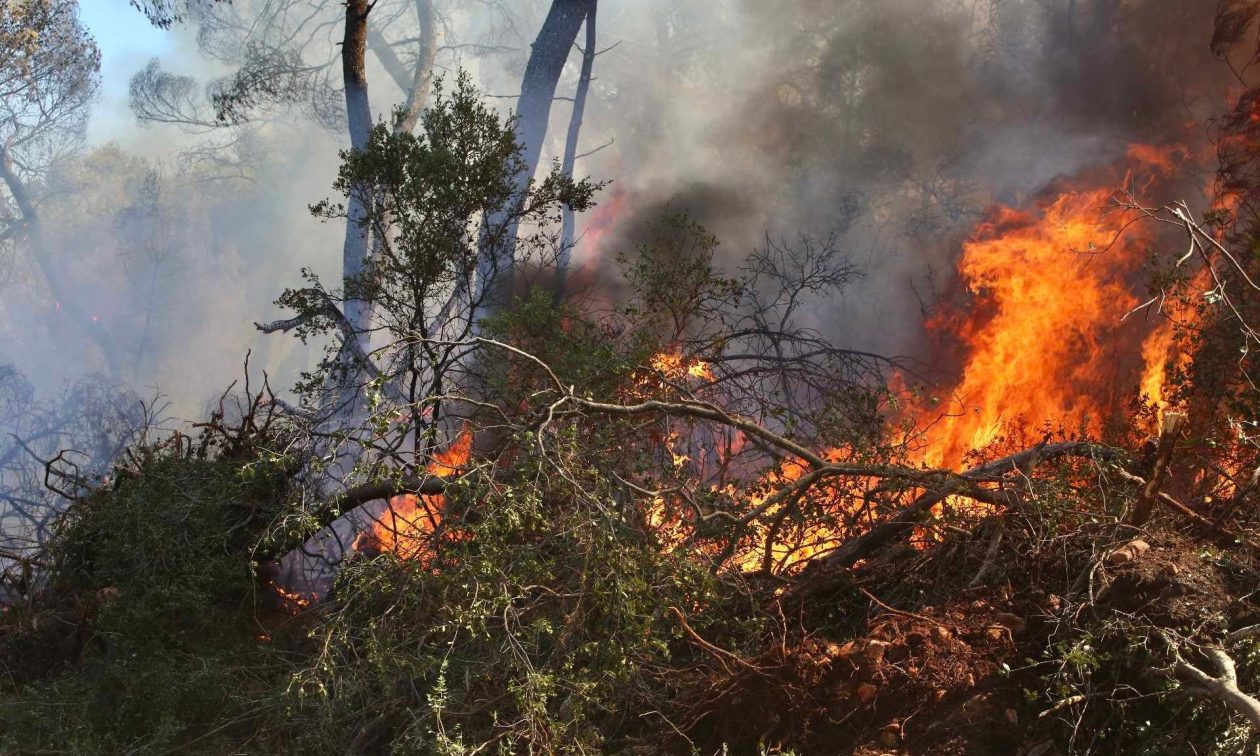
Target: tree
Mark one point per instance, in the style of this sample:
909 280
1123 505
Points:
48 76
282 63
571 141
550 51
430 191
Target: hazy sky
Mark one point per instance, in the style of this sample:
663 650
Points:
127 41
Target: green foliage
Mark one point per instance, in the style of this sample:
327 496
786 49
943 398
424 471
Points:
152 607
539 624
440 203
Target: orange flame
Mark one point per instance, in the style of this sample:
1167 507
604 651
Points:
402 528
1042 338
675 367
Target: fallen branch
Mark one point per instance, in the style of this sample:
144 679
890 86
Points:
333 509
900 612
722 654
915 513
1242 633
1175 505
1223 686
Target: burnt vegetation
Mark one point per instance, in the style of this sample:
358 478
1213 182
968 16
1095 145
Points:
510 506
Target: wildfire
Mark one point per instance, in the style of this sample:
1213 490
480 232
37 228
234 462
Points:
1042 336
1040 340
600 221
402 527
293 601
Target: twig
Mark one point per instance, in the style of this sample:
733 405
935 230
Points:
717 651
901 612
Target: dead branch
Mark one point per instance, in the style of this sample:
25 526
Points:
334 508
1145 504
900 612
1242 633
350 345
1182 509
722 654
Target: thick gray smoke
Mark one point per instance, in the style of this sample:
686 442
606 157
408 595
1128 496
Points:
894 122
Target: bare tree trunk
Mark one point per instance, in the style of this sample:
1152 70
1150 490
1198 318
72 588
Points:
571 146
359 120
414 84
538 90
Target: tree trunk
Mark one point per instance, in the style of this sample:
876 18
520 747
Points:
359 120
414 84
571 145
533 110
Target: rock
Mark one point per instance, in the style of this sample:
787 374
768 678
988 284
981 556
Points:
1012 622
874 652
1128 552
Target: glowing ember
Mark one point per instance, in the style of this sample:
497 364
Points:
292 600
676 367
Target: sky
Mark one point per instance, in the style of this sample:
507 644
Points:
127 41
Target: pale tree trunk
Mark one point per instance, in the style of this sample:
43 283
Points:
533 110
415 87
567 221
415 84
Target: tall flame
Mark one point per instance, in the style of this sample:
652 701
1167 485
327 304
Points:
1042 339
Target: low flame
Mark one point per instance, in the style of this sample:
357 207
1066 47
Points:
675 367
403 527
293 601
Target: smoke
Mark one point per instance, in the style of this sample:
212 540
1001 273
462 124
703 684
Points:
893 123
